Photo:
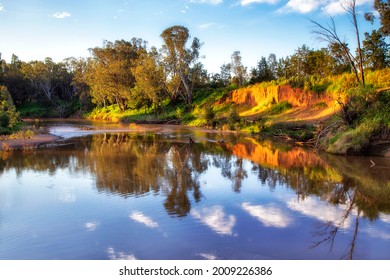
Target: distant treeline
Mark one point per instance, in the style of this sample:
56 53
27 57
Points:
132 75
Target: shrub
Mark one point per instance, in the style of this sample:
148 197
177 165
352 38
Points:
279 108
8 114
208 115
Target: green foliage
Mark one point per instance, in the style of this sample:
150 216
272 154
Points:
370 111
321 105
8 114
354 140
208 115
33 110
281 107
233 119
179 113
316 84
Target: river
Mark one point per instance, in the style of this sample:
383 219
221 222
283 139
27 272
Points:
107 192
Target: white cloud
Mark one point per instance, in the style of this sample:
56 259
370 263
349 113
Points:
212 2
112 255
1 8
335 7
216 219
61 15
141 218
249 2
303 6
270 216
332 7
206 25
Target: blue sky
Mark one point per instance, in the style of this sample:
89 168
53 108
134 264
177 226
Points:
35 29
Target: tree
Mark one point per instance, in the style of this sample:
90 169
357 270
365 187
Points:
150 78
340 62
8 114
329 34
238 68
179 59
383 8
273 64
226 69
18 86
375 51
78 68
262 73
42 75
109 73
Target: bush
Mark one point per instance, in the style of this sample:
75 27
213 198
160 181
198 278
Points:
233 119
279 108
354 140
22 134
8 114
208 115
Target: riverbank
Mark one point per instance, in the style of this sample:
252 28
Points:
30 143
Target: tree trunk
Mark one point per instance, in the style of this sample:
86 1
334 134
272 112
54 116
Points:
187 88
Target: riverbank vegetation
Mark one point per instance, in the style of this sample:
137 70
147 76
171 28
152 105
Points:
333 98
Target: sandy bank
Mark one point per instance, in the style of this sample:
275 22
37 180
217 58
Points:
33 142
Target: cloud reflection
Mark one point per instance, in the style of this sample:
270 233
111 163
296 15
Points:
67 195
216 219
385 218
270 216
321 211
141 218
91 226
112 255
207 256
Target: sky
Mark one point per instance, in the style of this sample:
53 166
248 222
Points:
36 29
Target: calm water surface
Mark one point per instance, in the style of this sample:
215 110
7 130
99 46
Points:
152 195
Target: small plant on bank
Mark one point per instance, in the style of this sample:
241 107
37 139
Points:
233 119
207 115
22 134
281 107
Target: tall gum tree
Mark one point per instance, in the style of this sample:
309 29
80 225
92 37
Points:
179 59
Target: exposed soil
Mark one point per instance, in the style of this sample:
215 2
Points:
33 142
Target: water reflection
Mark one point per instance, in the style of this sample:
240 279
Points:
336 192
216 219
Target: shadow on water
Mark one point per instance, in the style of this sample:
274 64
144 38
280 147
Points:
136 164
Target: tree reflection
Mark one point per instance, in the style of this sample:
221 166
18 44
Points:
139 164
181 178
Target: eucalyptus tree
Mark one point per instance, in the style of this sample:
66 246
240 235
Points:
180 61
225 75
238 69
150 78
109 73
383 9
375 51
43 76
